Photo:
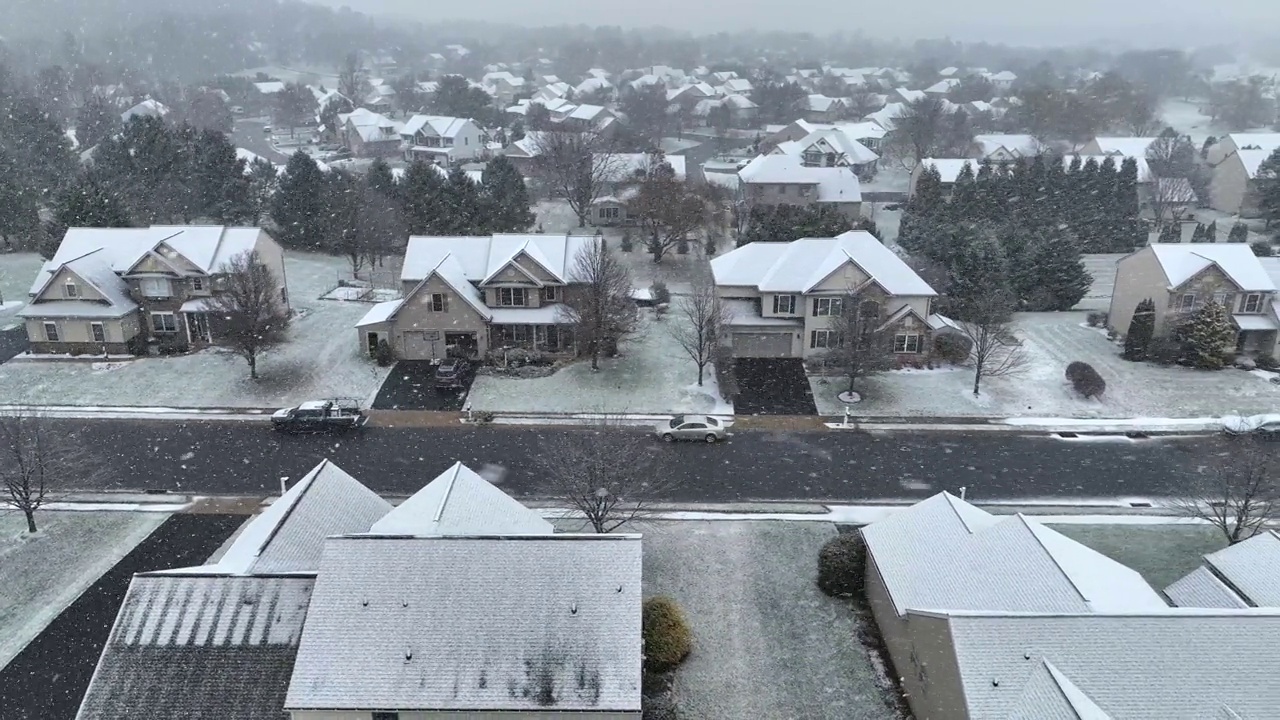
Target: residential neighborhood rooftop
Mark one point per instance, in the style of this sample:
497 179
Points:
798 266
1181 262
460 502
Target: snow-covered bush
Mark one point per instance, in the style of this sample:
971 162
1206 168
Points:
1085 379
952 347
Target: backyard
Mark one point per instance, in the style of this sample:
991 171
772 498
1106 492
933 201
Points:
320 359
1160 553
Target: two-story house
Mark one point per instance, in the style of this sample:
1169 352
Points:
784 179
369 134
467 296
1180 279
441 140
867 133
831 147
138 290
620 177
784 298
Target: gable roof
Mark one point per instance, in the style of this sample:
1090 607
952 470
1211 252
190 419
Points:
1172 664
948 168
835 184
439 125
797 266
1021 145
1200 588
541 623
945 554
200 647
460 502
838 139
1252 567
1263 141
1251 160
1181 262
1134 146
289 535
479 257
451 273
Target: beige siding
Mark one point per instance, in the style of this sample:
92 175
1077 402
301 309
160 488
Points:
1221 150
77 330
467 715
533 298
935 690
1138 277
415 314
175 259
739 292
1091 148
1229 186
845 279
766 305
893 629
536 269
56 290
271 255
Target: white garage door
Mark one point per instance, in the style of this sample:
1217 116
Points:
762 345
420 344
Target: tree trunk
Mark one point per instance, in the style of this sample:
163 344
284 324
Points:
852 378
595 356
977 379
31 519
253 368
701 369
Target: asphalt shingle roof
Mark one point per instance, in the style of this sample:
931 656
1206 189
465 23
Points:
797 266
460 502
1200 588
1252 567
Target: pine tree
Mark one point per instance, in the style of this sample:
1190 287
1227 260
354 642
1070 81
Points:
381 178
1197 235
1239 233
1211 232
977 271
928 197
298 206
1267 181
96 121
421 192
217 178
1050 275
506 198
1141 330
963 204
1207 338
1172 233
461 196
87 203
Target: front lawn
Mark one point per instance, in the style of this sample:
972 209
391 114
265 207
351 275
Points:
1160 553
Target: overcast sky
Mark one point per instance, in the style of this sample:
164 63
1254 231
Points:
1031 21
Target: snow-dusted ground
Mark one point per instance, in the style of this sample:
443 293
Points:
653 375
321 359
1051 341
17 272
890 177
1185 117
766 642
43 574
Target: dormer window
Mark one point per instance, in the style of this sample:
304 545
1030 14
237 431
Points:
154 287
71 290
197 284
1251 303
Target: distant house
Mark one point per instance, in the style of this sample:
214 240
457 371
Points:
1232 188
620 184
942 87
1003 80
885 116
444 141
784 179
831 148
1005 148
904 95
370 134
138 290
1233 142
146 108
867 133
949 170
822 109
1127 146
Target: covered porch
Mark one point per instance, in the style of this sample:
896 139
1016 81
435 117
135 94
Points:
1257 334
197 315
540 328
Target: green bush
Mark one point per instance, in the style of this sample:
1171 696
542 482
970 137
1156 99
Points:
1085 379
667 640
1164 350
842 564
661 295
1266 362
383 354
952 347
1096 319
1262 248
627 244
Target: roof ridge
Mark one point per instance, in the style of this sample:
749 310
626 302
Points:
454 472
307 482
1031 528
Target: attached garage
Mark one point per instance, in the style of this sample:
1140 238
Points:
421 345
762 344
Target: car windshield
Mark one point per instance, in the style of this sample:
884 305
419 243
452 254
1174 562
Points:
677 421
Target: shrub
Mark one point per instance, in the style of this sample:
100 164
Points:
667 640
952 347
627 244
383 353
1085 379
842 564
1266 362
661 295
658 707
1164 350
726 379
1262 248
1097 319
711 246
483 417
682 246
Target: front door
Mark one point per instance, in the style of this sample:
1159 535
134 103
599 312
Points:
372 342
199 326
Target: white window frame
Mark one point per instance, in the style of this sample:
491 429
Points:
1251 298
438 302
784 304
908 343
827 306
70 289
1221 299
173 320
98 332
551 293
197 284
54 336
153 283
830 339
1187 302
610 213
507 297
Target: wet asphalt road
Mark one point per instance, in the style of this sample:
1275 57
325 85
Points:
231 457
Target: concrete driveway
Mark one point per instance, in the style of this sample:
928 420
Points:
773 386
12 342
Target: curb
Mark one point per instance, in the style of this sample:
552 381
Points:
125 412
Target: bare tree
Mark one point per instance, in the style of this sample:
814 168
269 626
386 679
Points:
927 128
995 351
599 301
1238 493
36 457
611 477
668 209
578 165
700 321
860 345
250 305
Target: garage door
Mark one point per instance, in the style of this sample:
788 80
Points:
420 344
765 345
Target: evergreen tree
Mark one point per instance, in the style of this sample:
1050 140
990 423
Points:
218 179
1239 233
784 223
1172 233
1141 330
96 121
461 198
298 206
978 270
1050 275
1197 235
987 187
1207 338
928 197
19 212
1211 232
87 203
381 178
263 182
963 204
506 198
1267 181
421 192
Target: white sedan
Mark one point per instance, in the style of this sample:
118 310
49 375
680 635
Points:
691 427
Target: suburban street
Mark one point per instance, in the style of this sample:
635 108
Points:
237 457
248 134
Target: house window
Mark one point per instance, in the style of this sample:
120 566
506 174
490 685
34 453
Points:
782 189
51 331
609 213
784 304
1187 302
155 287
71 290
1251 303
826 306
869 310
439 303
812 159
906 343
98 332
550 294
824 339
512 297
805 191
164 322
197 284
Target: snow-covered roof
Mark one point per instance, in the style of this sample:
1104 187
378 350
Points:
736 85
837 140
884 116
380 313
460 502
738 102
945 554
1134 146
822 103
1252 567
480 257
1252 160
1003 76
1261 141
911 95
473 624
798 266
1181 262
146 108
835 184
437 125
593 84
1200 588
942 87
372 126
1160 663
948 168
1020 145
587 112
270 87
627 166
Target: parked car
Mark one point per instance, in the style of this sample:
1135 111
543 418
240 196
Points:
266 129
237 110
319 416
692 427
341 153
454 374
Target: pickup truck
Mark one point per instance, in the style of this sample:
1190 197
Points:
319 416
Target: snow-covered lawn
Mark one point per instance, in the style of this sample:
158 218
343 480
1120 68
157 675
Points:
17 272
766 642
321 359
652 376
1051 341
1185 117
43 574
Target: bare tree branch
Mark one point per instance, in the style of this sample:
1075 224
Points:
578 165
669 209
250 303
599 303
1238 494
995 351
860 346
36 458
700 320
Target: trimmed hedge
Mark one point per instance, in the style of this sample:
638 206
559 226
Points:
952 347
667 640
842 564
1085 379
